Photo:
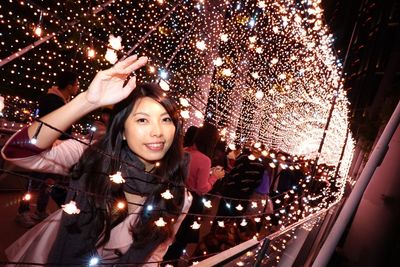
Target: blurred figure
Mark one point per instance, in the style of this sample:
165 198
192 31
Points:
200 180
188 139
67 86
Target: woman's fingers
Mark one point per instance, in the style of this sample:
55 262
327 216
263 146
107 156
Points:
127 66
128 88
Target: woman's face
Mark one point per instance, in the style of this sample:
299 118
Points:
149 131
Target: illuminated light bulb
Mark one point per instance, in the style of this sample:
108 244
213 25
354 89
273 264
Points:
198 114
94 261
151 69
263 202
221 224
232 147
149 207
268 218
33 141
253 39
117 178
251 157
195 225
207 204
164 85
224 37
239 207
257 219
160 2
111 56
274 61
277 201
184 102
163 74
201 45
272 165
115 42
167 194
275 29
38 31
257 145
160 222
283 166
264 153
185 114
71 208
243 223
218 62
252 22
255 75
121 205
259 95
259 50
158 164
227 72
262 4
27 197
254 204
91 53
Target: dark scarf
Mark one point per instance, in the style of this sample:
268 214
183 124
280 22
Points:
137 181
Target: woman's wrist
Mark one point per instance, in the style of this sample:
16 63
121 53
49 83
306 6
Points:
84 104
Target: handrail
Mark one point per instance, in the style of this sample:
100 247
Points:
235 251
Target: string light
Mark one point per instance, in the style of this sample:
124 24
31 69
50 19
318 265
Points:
167 194
71 208
160 222
117 178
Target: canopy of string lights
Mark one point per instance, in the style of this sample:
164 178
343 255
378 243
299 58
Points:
262 71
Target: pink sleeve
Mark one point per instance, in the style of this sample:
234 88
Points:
204 180
19 146
58 159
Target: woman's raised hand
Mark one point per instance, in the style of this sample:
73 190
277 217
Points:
108 88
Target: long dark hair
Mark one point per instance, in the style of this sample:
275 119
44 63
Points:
96 167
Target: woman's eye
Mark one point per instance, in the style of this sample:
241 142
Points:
168 119
141 120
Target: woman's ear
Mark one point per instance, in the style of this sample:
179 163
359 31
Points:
123 136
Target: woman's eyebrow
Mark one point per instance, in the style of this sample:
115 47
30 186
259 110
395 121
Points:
140 113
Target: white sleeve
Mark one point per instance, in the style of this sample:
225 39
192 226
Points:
58 159
160 251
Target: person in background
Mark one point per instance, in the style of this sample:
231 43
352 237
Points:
200 180
67 86
188 139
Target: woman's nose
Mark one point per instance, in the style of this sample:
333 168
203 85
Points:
156 129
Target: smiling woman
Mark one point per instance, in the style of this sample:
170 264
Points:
142 154
149 131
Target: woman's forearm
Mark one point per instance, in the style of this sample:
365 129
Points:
61 119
